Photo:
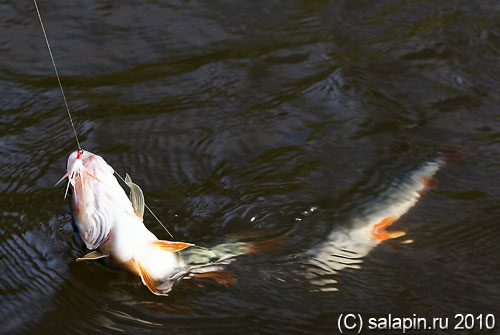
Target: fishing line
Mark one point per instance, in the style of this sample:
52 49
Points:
150 211
57 75
80 150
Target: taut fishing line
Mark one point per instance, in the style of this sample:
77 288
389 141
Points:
67 107
57 75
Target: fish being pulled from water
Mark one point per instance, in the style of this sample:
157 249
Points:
111 225
347 246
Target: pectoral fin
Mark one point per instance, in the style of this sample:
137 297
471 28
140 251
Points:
136 197
93 255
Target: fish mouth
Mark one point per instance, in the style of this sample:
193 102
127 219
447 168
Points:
94 164
89 160
84 167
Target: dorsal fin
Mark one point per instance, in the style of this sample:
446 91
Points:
136 197
93 255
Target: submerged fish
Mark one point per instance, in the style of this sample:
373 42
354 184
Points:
348 245
111 225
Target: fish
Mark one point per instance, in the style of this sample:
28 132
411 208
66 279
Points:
346 246
111 226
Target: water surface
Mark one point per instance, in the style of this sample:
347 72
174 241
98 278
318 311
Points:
238 119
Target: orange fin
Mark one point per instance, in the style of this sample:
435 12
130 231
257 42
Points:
380 234
221 277
430 183
171 246
266 245
149 281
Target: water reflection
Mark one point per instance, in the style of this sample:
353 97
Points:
348 244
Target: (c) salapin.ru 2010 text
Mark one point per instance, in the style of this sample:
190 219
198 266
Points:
355 322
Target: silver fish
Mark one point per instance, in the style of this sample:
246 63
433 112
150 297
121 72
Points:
111 225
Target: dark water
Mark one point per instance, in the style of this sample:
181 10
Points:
237 118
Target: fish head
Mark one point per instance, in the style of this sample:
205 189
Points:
94 164
94 192
85 171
